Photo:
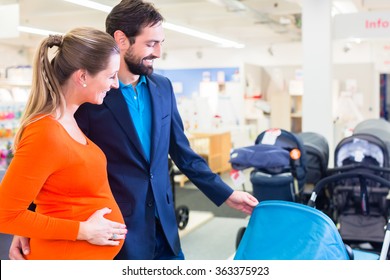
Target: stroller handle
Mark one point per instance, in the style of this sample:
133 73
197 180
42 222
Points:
386 243
346 175
353 166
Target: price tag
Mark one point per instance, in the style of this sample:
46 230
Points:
237 177
270 136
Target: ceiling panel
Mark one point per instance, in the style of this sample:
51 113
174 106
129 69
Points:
251 22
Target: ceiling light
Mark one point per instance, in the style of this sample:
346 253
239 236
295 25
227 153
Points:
343 7
231 5
223 42
202 35
91 4
37 31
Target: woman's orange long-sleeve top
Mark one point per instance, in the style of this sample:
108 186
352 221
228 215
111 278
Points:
67 181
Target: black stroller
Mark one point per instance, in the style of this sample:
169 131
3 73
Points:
182 212
317 159
378 127
317 156
359 188
278 162
362 227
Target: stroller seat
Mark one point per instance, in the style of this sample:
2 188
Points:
283 230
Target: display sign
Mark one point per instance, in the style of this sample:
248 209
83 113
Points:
374 25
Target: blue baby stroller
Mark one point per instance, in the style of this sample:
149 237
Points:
311 234
278 162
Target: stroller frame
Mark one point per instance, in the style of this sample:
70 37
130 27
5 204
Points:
383 190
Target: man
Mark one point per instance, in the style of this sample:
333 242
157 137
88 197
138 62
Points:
137 127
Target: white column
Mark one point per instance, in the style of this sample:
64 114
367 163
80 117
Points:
317 69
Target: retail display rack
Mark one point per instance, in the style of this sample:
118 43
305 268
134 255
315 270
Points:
14 91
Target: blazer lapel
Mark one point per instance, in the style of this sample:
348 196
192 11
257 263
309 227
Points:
156 101
118 107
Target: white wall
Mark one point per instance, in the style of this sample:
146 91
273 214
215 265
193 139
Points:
283 54
11 56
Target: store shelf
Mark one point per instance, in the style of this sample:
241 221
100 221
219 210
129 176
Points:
13 97
14 83
214 148
296 113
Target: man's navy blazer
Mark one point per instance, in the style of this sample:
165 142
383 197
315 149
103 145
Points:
140 186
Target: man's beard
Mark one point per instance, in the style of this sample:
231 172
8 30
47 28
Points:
136 67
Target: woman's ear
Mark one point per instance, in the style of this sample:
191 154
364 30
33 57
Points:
80 77
121 39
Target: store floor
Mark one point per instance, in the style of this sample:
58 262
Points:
214 239
211 231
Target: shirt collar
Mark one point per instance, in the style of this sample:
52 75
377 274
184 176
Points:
142 80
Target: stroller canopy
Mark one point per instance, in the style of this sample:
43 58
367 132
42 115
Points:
377 127
361 148
317 155
283 230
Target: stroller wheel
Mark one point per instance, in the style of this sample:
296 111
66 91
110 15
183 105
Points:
182 216
240 234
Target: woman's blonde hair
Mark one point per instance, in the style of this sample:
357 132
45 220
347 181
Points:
81 48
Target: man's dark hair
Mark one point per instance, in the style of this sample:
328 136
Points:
131 16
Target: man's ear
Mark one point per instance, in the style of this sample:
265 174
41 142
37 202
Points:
121 39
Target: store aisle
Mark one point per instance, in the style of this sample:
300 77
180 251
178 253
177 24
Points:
214 240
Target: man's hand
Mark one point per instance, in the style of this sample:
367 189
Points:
242 201
20 247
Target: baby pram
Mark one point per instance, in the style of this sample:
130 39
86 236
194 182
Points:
317 159
364 222
317 156
311 234
284 230
182 212
377 127
278 162
359 203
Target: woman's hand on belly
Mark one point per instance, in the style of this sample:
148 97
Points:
98 230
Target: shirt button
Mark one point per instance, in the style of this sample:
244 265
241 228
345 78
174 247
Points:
150 203
151 176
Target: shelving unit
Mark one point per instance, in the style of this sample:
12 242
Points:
214 148
13 95
296 95
296 113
